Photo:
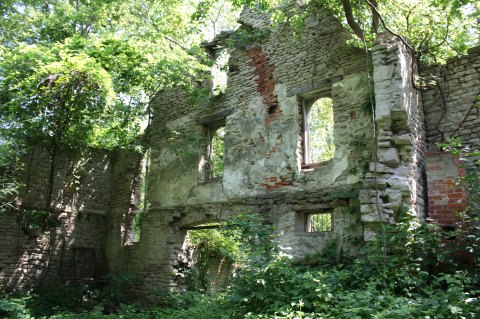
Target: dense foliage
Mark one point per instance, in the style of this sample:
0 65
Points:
76 74
84 71
10 164
426 275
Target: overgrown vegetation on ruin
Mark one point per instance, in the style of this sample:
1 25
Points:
75 78
81 74
427 274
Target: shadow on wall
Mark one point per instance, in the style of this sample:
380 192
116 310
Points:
69 253
69 248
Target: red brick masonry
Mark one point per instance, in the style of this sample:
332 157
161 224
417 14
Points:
265 82
447 199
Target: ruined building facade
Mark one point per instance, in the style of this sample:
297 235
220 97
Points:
385 160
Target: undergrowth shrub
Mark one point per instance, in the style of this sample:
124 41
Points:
417 277
15 307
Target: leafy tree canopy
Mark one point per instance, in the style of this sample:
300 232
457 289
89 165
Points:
118 54
78 73
82 72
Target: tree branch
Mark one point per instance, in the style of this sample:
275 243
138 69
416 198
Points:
347 8
414 54
375 18
374 8
174 41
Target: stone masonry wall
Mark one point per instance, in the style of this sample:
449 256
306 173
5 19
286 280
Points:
452 103
267 84
74 251
81 196
396 179
124 205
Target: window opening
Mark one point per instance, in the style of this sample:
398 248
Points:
215 151
219 72
143 205
318 222
211 251
318 126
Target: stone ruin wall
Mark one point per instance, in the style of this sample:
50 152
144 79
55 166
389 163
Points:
90 189
459 84
262 163
452 107
262 169
395 181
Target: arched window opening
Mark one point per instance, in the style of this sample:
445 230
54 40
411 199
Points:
318 131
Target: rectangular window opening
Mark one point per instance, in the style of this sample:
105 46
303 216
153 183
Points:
84 264
317 131
318 222
215 151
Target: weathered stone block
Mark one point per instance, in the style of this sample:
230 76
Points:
369 235
374 217
384 144
367 196
405 139
388 156
371 183
394 196
380 168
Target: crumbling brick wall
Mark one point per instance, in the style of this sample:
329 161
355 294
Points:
447 198
451 106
